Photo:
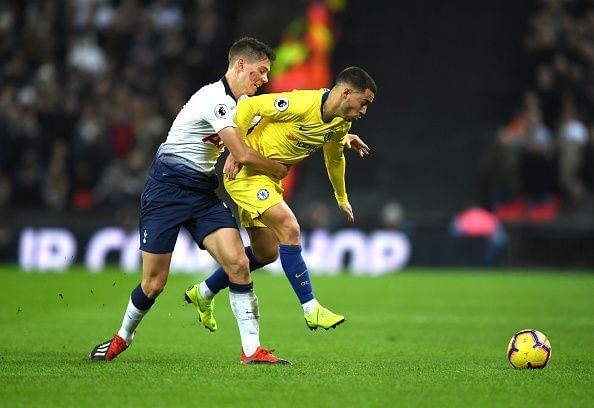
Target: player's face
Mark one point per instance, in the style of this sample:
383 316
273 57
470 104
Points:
354 104
254 75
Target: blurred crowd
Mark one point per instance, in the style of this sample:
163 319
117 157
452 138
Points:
543 159
89 88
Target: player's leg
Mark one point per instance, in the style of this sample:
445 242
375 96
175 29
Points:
163 208
201 295
227 249
281 220
155 270
263 250
214 229
264 244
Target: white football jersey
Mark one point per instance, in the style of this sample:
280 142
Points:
193 137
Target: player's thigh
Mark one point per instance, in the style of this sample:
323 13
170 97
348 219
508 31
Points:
282 221
226 247
209 215
164 207
264 243
253 195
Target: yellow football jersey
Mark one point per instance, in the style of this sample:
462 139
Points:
292 129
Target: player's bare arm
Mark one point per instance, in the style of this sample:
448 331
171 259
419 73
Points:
232 167
248 156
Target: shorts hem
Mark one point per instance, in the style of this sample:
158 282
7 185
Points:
156 252
218 227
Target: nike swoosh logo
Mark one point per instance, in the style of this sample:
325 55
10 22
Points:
298 275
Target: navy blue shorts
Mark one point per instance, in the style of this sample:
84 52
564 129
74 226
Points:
165 207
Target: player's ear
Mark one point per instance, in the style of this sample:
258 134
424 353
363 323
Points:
240 63
346 92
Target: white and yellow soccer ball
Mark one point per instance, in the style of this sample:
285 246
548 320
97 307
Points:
529 349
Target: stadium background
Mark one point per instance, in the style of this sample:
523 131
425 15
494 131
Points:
89 89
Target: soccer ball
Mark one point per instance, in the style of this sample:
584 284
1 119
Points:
529 349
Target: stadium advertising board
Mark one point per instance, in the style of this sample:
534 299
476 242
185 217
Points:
361 253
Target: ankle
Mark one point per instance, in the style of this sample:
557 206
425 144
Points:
309 306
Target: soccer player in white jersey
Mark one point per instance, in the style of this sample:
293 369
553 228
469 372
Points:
180 190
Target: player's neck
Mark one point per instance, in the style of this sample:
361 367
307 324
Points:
233 84
330 106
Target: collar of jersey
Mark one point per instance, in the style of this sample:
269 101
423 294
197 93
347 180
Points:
228 88
324 97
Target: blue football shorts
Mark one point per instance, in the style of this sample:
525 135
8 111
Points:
165 207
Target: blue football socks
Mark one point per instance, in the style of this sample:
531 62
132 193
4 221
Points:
296 271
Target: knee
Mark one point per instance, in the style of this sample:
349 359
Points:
291 233
155 269
153 287
238 270
266 255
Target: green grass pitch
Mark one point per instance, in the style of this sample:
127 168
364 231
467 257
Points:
429 338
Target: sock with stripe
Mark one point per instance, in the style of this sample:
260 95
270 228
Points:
244 304
138 306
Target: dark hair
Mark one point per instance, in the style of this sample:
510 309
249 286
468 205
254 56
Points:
250 49
356 78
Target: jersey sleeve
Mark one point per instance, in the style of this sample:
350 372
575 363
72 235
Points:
278 107
340 136
336 167
219 115
255 120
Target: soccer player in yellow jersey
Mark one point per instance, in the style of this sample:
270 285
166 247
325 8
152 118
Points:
293 126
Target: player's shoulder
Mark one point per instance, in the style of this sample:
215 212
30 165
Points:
213 90
306 94
296 94
213 97
300 99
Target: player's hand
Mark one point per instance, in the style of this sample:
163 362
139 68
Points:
355 143
348 211
283 174
231 167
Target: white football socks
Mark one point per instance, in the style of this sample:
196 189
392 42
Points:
132 319
245 308
309 306
205 291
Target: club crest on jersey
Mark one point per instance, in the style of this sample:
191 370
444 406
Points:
327 136
221 111
281 104
263 194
